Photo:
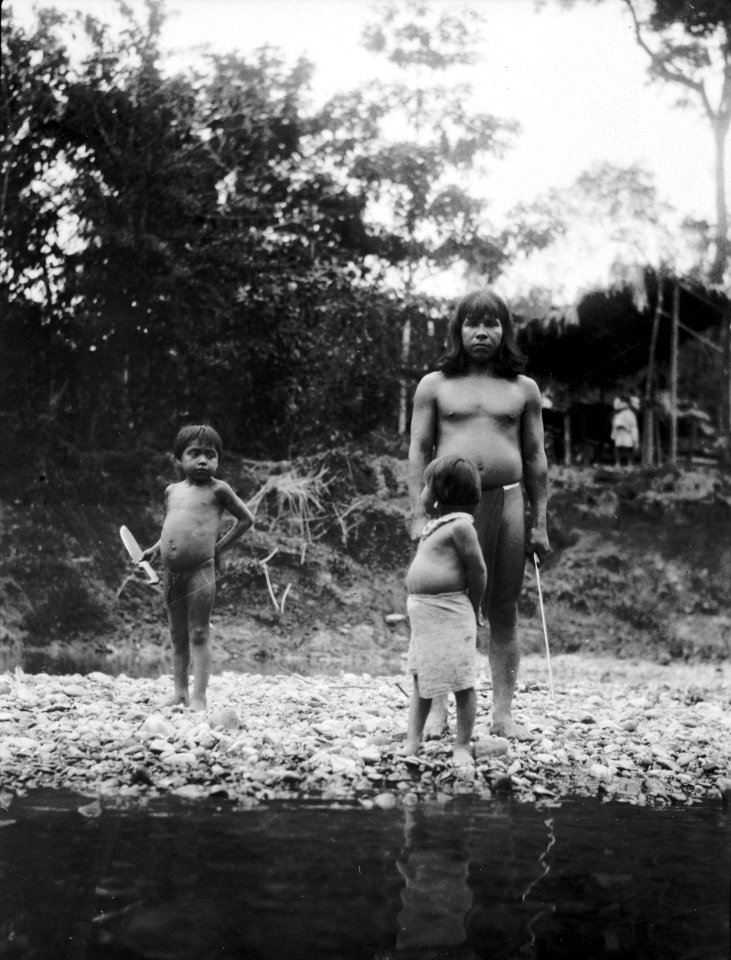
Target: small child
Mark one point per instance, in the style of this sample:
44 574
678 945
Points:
190 550
445 581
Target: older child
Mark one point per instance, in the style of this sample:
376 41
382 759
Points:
446 580
190 549
477 404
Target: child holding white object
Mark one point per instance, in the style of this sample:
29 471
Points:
446 581
190 547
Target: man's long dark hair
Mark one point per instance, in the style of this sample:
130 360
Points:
482 303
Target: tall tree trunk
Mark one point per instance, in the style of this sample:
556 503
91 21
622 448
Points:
403 407
721 258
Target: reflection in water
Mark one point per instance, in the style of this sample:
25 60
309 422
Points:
436 896
154 661
69 659
466 880
545 868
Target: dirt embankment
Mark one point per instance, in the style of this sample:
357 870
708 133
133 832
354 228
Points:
641 565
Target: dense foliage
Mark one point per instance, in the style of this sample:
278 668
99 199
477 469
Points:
203 245
182 248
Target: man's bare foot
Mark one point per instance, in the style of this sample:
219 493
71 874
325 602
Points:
409 748
507 727
198 703
436 723
462 756
175 699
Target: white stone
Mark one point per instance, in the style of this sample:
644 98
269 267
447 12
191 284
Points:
599 771
370 754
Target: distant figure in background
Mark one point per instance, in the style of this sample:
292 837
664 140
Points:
190 549
625 432
446 581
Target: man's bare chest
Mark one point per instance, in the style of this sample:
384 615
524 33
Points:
462 402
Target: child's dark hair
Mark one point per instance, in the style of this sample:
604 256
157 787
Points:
482 303
196 431
454 481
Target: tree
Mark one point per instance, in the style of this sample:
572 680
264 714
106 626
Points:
33 207
610 220
205 257
295 316
144 183
689 46
413 146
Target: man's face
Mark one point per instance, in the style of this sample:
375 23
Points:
199 462
481 338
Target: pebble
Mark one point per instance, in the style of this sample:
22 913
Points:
599 771
492 747
644 740
226 718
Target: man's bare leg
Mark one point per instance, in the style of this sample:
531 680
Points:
178 623
201 594
418 712
504 656
502 615
466 713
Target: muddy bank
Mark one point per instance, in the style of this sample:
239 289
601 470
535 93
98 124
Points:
637 732
641 567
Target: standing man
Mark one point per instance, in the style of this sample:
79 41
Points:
478 405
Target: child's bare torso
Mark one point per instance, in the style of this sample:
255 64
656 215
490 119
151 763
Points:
192 520
479 416
437 567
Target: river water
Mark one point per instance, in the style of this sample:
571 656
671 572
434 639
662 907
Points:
468 879
76 656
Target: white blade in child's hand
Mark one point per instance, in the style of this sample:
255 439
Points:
133 549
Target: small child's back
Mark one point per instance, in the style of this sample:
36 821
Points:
438 566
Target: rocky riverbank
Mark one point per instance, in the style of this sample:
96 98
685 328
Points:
628 730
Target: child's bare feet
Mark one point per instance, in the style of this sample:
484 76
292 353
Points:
409 748
175 699
198 703
436 723
462 756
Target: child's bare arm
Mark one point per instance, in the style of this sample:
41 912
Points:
468 548
239 511
152 553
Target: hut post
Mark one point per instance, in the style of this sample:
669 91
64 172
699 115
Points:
567 458
674 375
648 414
725 419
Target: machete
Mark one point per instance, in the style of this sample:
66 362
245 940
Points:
133 549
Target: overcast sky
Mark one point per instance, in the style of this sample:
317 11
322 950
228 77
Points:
574 79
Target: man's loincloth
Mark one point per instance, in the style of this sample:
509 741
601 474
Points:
443 642
499 521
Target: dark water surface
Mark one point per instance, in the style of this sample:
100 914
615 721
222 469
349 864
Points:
472 880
